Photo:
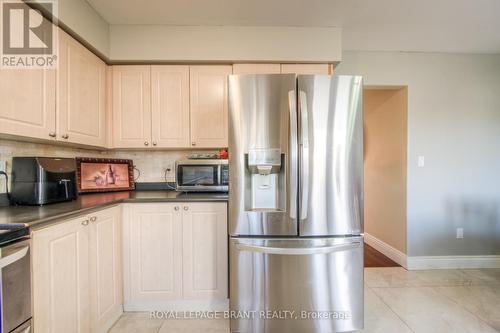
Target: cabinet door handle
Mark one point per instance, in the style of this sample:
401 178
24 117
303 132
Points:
93 218
176 208
52 134
193 143
85 222
154 143
186 208
146 143
65 136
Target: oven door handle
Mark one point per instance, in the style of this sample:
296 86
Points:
11 258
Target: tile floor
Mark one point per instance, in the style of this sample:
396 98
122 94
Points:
396 301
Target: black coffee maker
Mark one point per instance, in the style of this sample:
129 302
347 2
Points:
43 180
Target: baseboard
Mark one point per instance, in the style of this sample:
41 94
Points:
184 305
453 262
432 262
389 251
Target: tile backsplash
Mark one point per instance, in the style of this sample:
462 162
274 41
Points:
151 164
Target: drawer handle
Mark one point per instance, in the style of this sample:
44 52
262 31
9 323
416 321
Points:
176 208
186 208
93 219
85 222
52 134
65 136
297 251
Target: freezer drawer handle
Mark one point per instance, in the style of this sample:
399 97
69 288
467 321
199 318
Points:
13 257
297 251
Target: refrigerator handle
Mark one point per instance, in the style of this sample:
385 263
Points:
304 155
298 251
292 105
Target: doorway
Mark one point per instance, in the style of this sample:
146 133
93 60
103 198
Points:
385 154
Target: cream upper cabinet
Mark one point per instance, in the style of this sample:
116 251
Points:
81 94
256 69
170 106
209 108
77 277
60 260
152 254
131 106
105 257
28 103
205 267
306 69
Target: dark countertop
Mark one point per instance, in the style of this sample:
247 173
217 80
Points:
40 216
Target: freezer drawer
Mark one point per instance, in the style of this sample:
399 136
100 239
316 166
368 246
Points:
310 285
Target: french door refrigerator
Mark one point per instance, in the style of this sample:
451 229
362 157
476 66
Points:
296 203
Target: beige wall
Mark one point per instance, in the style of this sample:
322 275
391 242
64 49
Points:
454 121
152 164
224 43
385 113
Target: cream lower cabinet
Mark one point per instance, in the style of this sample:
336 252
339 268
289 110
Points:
105 262
175 256
77 274
204 251
152 253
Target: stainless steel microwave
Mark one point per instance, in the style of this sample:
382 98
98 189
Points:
202 175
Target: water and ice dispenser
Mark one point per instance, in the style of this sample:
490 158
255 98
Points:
265 180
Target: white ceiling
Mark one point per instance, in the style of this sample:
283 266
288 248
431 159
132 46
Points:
469 26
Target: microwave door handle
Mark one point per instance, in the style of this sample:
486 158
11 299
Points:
11 258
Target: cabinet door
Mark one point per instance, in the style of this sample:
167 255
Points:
105 268
81 94
61 278
152 254
131 106
28 103
306 69
209 109
256 69
205 251
170 106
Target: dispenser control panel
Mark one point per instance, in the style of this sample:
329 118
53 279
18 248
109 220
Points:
262 157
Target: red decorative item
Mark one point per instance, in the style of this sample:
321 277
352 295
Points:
223 154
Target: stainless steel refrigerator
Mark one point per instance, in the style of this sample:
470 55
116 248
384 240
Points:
296 203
